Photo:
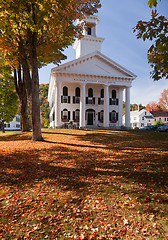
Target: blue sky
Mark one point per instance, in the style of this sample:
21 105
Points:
117 19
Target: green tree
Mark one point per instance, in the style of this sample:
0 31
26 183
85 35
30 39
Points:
156 30
8 100
158 122
44 105
38 31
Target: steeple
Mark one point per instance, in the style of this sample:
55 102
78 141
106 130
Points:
90 42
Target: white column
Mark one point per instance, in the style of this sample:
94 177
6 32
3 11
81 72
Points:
82 106
127 107
120 107
106 106
58 105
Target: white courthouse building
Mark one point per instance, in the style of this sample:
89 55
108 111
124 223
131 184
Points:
88 91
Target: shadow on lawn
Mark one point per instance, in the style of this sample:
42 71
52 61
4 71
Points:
70 167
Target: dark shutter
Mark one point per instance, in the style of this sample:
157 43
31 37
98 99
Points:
110 116
86 100
61 99
61 114
98 115
73 99
94 100
117 101
110 102
68 115
117 116
99 101
69 100
73 115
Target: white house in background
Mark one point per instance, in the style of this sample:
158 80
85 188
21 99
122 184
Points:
14 125
88 91
140 118
159 115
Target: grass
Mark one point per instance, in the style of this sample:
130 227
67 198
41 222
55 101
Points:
84 184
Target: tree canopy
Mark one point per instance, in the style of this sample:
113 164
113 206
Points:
156 30
34 33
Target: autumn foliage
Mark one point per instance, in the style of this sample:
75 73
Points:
81 184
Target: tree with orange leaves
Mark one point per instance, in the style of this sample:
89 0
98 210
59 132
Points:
35 33
163 101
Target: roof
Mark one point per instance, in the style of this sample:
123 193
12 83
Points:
159 113
148 117
108 68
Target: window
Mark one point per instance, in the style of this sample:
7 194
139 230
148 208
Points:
76 98
165 119
65 115
90 99
17 119
89 31
142 124
101 99
90 92
142 118
145 113
102 93
113 116
65 91
113 94
17 125
114 100
134 118
77 92
65 98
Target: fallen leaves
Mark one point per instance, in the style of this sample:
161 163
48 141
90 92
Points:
84 185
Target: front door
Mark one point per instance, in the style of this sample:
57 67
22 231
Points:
90 118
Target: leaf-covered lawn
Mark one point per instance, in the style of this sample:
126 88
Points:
83 184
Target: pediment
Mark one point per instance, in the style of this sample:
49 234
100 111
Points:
95 64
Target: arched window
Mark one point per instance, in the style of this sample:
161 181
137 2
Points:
65 91
113 94
113 116
65 115
90 92
77 92
102 93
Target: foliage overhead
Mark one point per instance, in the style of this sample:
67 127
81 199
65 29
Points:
155 30
34 33
152 3
53 21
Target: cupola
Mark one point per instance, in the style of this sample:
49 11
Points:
90 42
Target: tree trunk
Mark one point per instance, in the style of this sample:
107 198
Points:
2 126
21 91
24 116
36 120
